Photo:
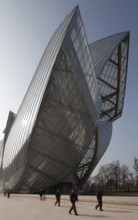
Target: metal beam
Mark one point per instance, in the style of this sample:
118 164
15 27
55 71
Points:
112 61
105 82
118 78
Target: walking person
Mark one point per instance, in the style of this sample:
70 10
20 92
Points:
41 196
58 195
99 196
9 193
73 199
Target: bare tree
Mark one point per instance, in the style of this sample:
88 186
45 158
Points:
136 172
135 164
115 177
124 177
116 171
131 181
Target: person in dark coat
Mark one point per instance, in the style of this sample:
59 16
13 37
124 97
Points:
8 194
99 196
41 196
73 199
58 195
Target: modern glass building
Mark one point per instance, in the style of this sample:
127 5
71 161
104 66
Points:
64 123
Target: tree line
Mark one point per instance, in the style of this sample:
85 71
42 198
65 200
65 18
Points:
114 177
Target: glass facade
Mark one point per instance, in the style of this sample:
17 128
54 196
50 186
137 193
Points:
64 123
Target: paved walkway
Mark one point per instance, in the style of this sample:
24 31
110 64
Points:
31 208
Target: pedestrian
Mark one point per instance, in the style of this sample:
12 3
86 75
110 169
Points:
58 195
73 199
8 194
99 196
41 196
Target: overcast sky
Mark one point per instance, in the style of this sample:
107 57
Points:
25 29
